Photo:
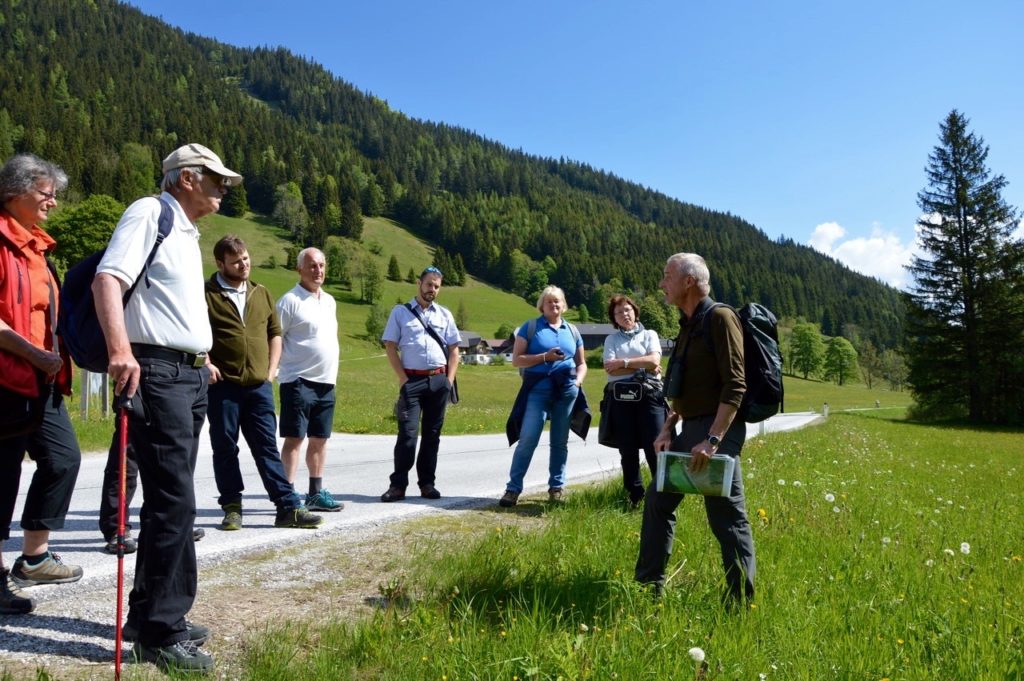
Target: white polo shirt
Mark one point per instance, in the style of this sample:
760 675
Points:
171 310
309 329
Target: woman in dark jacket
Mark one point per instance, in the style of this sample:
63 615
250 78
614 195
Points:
633 400
32 365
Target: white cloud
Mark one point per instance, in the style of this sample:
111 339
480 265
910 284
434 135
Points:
882 255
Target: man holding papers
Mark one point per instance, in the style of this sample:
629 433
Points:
705 384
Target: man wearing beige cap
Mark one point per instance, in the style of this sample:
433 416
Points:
157 346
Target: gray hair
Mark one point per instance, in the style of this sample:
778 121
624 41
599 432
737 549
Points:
550 292
172 177
692 265
305 253
21 173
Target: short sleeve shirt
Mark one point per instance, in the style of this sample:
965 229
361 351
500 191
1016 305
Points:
546 337
418 350
309 329
623 345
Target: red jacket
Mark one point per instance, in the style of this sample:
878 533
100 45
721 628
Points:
17 373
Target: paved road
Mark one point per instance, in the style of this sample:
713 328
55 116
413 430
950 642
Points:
472 471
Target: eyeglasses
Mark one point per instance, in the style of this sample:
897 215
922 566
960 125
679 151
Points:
432 270
219 180
49 196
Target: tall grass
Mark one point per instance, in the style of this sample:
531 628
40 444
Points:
885 550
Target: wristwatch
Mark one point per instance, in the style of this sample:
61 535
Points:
714 440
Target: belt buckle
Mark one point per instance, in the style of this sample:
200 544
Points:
199 361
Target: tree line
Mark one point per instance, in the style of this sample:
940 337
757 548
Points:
106 92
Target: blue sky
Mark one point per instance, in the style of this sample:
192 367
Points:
812 120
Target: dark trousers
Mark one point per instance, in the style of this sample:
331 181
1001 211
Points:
54 448
425 396
234 407
727 517
166 443
637 424
110 490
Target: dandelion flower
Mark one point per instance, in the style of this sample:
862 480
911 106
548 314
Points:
781 481
584 628
697 655
965 548
797 483
929 562
835 509
949 552
830 497
886 540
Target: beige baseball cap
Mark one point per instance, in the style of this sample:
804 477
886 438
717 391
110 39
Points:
192 155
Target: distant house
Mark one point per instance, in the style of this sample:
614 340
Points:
594 334
469 342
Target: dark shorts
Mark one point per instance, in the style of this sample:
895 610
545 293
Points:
307 409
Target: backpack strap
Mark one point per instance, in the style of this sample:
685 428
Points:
429 328
164 225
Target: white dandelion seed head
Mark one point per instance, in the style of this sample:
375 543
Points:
830 497
929 562
797 483
886 540
965 548
949 552
697 654
835 509
781 481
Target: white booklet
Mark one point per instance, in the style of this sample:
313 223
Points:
674 474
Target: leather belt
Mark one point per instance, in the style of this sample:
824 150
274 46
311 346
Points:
144 351
426 372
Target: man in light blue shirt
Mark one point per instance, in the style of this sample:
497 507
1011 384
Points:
422 345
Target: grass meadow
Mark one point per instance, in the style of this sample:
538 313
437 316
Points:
886 550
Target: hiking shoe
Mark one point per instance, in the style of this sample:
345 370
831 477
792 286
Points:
11 600
509 499
130 545
323 501
393 494
429 492
232 518
198 533
298 517
184 656
197 633
51 570
555 495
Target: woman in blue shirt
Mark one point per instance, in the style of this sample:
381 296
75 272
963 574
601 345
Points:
553 371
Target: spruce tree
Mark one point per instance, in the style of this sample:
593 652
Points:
961 316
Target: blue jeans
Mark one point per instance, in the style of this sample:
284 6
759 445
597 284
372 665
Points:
544 403
235 407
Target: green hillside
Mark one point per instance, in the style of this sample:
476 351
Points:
106 92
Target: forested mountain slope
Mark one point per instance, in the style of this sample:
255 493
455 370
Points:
106 92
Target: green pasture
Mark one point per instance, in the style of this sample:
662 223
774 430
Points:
367 388
886 550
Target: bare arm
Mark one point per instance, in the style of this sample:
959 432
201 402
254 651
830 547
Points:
453 362
275 357
581 366
626 366
391 347
520 359
16 344
123 367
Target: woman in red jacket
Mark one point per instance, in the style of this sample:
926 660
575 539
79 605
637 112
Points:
32 364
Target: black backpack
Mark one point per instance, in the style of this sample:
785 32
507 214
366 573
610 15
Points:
77 324
762 360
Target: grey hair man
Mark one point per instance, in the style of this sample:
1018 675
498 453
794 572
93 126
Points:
705 398
158 348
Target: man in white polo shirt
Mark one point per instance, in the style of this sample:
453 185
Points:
307 374
157 347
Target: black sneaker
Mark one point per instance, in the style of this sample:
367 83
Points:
198 533
197 633
184 656
299 518
11 600
51 570
130 545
